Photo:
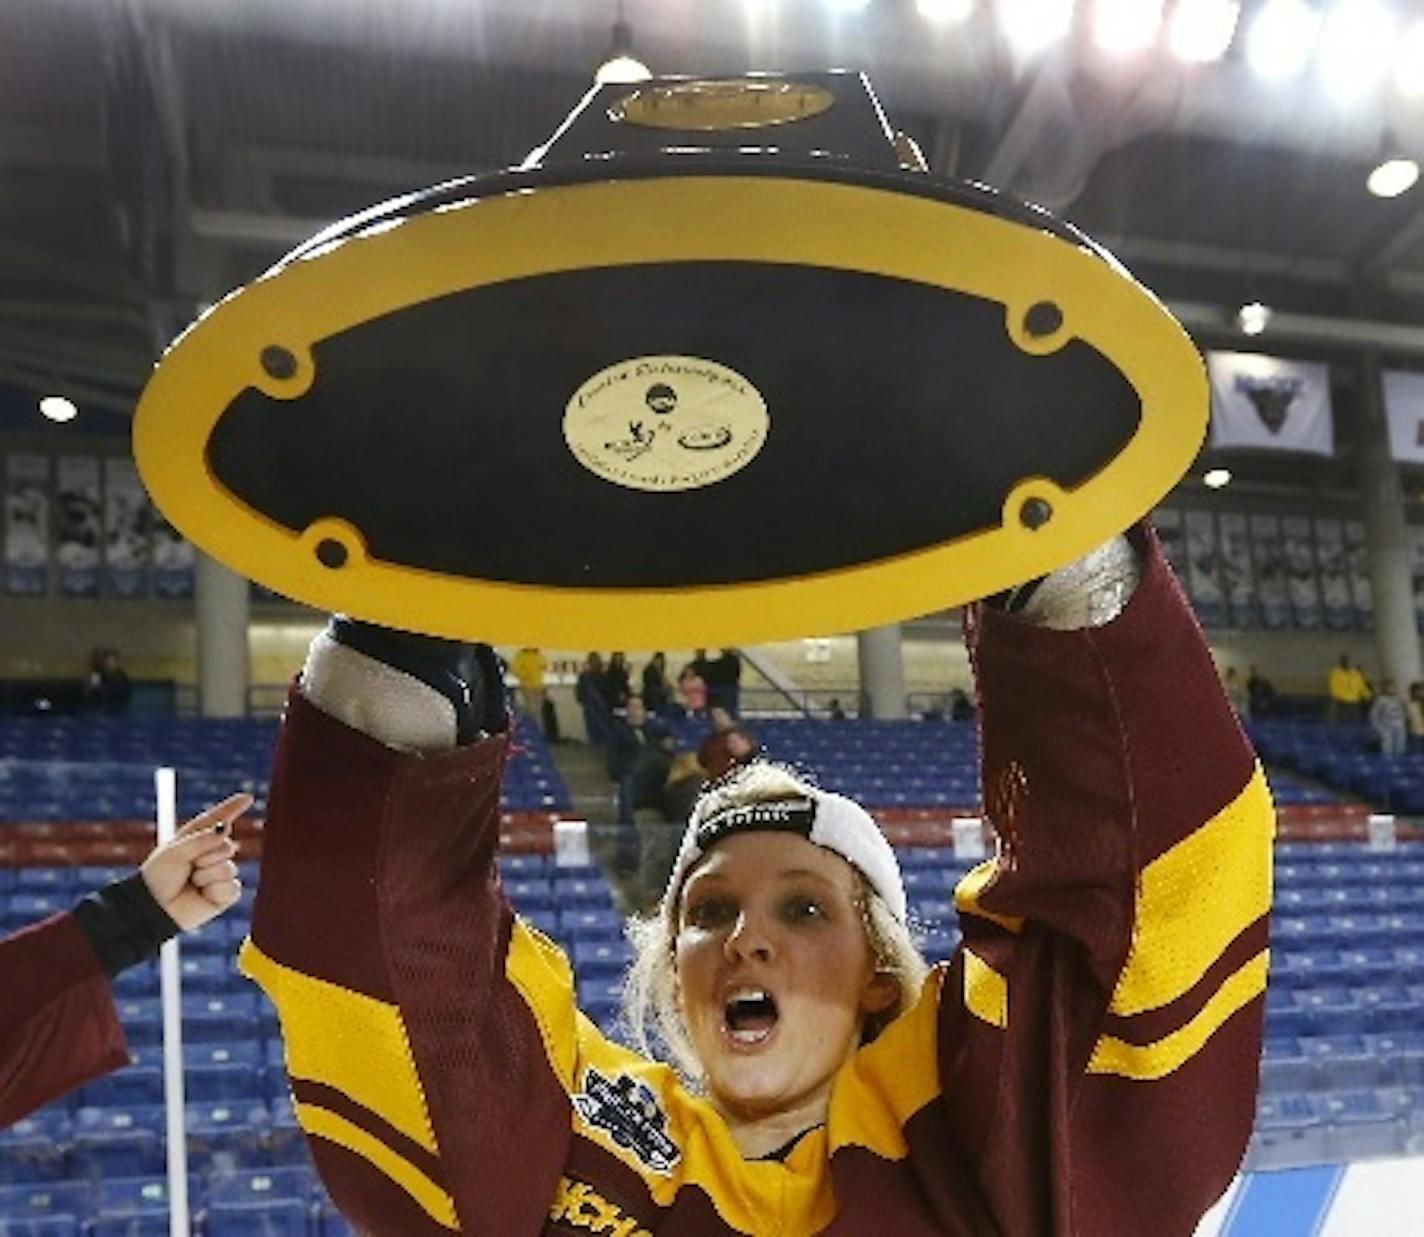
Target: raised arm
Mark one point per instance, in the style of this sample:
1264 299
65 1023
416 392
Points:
1107 1003
418 1064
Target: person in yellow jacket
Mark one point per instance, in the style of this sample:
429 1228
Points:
528 668
1349 691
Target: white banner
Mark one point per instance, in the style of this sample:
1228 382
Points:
1404 409
27 501
174 560
1262 401
125 530
77 528
1236 570
1168 523
1334 565
1360 587
1203 569
1269 556
1301 578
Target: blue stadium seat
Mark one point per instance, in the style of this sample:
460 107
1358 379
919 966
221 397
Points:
1341 1061
1290 1130
118 1142
593 958
590 925
204 972
1285 1066
219 1016
45 1210
1360 1126
222 1083
137 1206
32 1149
529 894
135 1084
273 1202
582 892
285 1140
227 1136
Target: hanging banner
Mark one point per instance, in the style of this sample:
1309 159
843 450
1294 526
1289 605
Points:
173 559
1268 557
1404 409
126 515
1204 569
1168 523
77 534
1357 554
1301 579
1242 608
1332 563
27 503
1262 401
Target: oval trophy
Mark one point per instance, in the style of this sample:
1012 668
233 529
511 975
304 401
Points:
720 362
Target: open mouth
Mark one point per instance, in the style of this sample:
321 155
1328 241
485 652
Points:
750 1015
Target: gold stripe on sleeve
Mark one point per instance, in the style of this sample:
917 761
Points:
323 1123
971 888
345 1040
986 992
1147 1062
1196 898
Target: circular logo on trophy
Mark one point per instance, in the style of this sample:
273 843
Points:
663 423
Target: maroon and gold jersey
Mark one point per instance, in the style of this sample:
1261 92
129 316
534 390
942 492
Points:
1086 1063
58 1025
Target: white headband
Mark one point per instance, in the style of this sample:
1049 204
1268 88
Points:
828 820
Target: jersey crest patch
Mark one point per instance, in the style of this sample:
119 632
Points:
629 1113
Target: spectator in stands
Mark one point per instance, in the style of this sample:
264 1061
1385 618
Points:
617 686
58 1025
1236 693
658 834
723 674
961 707
107 687
833 707
1415 705
693 688
627 739
1086 1064
1349 692
528 668
1260 693
657 692
1389 718
729 744
592 695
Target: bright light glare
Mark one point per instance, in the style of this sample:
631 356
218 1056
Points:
57 408
1356 45
1202 29
1392 177
1123 27
622 69
1031 25
1409 64
1282 38
942 12
1215 478
850 6
1252 318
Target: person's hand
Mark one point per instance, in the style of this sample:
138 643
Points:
193 877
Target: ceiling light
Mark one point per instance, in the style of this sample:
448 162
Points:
58 408
1282 38
1031 25
620 65
1356 44
942 12
1409 62
1253 317
1393 175
1202 30
1124 27
1215 478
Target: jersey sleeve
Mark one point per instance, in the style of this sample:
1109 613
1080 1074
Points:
1101 1022
420 1068
58 1025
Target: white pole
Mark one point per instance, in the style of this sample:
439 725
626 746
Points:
172 987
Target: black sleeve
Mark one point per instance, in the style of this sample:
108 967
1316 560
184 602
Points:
124 924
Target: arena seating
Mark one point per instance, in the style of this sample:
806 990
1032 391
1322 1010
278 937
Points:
1342 757
1342 1072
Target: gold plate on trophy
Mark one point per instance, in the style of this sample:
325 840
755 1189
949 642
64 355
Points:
673 401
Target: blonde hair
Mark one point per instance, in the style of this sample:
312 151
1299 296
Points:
650 1011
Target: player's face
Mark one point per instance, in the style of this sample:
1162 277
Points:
775 974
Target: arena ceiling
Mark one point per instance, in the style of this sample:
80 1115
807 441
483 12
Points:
156 153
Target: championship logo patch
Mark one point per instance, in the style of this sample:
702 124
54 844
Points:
629 1113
